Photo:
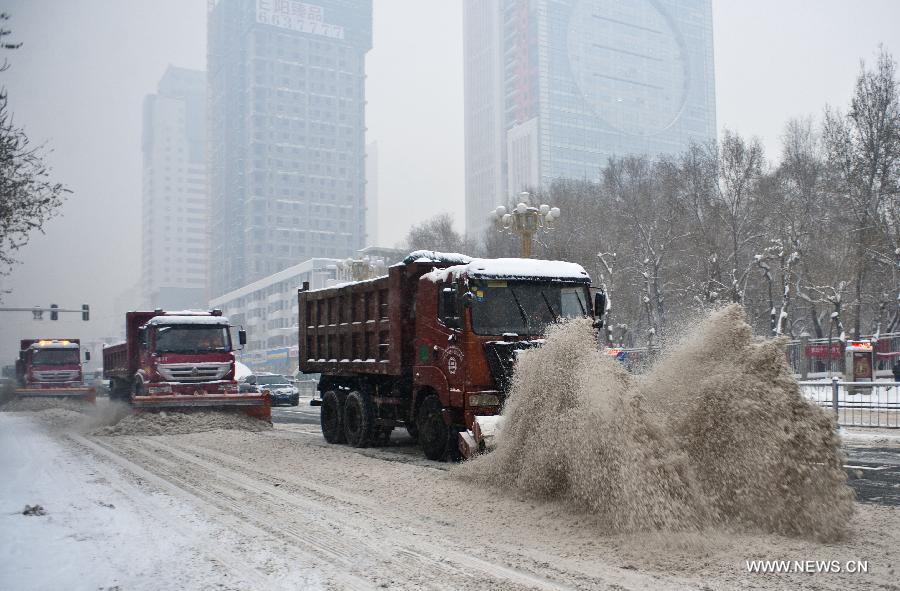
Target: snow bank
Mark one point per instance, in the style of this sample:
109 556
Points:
717 433
38 404
179 422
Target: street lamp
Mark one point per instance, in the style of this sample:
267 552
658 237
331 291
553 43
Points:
525 221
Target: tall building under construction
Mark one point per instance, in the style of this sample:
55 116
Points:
286 92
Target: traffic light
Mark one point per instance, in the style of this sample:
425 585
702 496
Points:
54 315
85 312
38 313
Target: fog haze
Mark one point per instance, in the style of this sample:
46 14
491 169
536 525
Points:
85 66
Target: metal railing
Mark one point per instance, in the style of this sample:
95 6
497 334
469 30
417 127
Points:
857 404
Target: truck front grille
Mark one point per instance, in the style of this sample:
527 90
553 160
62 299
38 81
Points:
56 376
190 372
501 358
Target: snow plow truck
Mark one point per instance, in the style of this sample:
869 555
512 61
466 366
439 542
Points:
179 360
51 368
431 346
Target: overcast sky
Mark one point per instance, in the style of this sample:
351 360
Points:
85 66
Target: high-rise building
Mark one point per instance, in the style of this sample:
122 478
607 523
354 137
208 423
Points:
287 134
372 193
555 88
174 211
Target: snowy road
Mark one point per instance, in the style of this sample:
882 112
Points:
282 509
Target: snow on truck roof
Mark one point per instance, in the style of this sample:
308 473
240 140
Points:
514 269
187 319
433 256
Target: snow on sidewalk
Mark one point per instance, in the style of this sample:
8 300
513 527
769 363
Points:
97 532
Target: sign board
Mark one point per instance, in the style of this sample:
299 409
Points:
821 351
296 16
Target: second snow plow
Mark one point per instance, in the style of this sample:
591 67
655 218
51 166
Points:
178 360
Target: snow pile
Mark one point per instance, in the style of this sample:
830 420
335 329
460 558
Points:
717 433
42 404
180 422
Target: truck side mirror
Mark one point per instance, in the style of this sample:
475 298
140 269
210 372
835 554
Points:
87 355
242 337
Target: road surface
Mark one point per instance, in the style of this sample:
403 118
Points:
282 509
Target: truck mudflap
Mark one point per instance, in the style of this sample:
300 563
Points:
86 393
482 437
255 405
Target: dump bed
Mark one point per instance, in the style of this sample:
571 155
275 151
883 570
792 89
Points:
115 362
366 327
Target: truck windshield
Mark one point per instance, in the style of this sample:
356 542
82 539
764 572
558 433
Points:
192 338
524 307
55 357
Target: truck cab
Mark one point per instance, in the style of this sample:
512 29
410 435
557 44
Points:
471 321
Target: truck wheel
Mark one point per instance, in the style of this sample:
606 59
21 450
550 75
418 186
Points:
359 419
331 419
434 434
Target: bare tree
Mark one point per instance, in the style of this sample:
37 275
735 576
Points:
436 233
863 154
28 196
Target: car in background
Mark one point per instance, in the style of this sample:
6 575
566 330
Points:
279 387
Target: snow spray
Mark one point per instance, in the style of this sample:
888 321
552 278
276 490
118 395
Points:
716 433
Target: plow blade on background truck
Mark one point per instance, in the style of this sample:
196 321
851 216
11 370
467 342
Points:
179 360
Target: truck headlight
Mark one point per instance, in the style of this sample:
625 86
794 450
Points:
484 400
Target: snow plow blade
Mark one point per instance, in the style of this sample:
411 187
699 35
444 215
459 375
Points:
86 393
254 405
482 437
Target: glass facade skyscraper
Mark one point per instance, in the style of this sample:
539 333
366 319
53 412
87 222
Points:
286 86
556 87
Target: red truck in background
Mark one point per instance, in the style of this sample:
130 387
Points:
432 345
178 360
52 368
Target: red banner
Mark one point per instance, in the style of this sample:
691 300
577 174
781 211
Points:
821 351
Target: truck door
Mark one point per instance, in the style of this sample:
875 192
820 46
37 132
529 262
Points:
450 358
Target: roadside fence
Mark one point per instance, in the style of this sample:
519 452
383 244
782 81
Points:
857 404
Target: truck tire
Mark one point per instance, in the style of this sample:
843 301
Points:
331 418
359 419
434 434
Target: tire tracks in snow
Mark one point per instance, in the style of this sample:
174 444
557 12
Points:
334 539
236 563
406 541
